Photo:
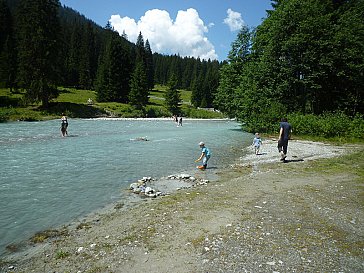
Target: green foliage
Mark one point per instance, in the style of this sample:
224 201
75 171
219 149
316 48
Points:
38 28
156 111
138 96
114 71
328 125
73 103
172 96
230 91
306 57
149 66
8 64
19 113
199 76
262 117
61 254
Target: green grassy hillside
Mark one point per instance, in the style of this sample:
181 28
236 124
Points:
76 103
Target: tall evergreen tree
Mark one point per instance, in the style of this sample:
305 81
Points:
114 71
138 96
8 62
227 97
87 57
149 65
140 49
173 96
38 30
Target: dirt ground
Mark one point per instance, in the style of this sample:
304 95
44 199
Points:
261 215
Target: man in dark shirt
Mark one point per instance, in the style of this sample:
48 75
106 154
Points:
284 136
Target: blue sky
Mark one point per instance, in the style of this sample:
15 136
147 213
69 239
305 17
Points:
198 28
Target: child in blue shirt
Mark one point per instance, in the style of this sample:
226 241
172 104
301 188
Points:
205 156
256 143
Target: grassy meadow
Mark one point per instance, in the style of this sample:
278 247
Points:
75 103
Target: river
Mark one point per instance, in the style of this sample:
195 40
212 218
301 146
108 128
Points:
47 180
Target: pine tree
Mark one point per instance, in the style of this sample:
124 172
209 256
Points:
38 36
149 65
8 62
140 49
114 71
138 96
119 69
173 96
87 52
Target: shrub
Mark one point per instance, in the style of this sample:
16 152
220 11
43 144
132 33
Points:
156 112
328 125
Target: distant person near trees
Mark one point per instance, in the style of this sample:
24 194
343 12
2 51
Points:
284 136
64 125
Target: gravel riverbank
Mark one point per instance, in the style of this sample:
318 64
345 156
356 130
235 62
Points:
261 215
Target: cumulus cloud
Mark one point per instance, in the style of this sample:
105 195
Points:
234 20
184 36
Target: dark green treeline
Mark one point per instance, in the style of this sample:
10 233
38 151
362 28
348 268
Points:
44 45
306 58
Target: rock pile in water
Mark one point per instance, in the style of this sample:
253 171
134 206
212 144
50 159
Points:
141 187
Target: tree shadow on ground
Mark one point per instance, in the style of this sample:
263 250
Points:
292 160
73 110
5 101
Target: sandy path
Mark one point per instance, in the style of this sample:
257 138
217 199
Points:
260 216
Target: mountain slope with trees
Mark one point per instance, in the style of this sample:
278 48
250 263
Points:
60 47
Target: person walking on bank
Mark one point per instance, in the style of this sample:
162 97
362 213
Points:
284 136
64 125
205 156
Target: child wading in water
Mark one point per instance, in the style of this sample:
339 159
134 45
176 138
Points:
256 143
205 156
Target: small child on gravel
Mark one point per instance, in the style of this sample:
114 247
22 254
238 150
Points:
256 143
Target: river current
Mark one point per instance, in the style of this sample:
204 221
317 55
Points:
47 180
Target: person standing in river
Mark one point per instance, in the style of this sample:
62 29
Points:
64 125
284 135
205 156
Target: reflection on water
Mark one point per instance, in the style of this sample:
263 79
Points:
47 180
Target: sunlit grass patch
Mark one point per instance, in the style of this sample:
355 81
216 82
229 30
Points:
60 254
76 95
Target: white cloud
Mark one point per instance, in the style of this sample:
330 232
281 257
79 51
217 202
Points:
234 20
184 36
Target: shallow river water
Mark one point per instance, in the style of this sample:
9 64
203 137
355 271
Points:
47 180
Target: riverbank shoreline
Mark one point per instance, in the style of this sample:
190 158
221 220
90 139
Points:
165 119
260 215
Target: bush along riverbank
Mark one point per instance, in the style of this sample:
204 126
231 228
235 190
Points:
336 126
261 215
